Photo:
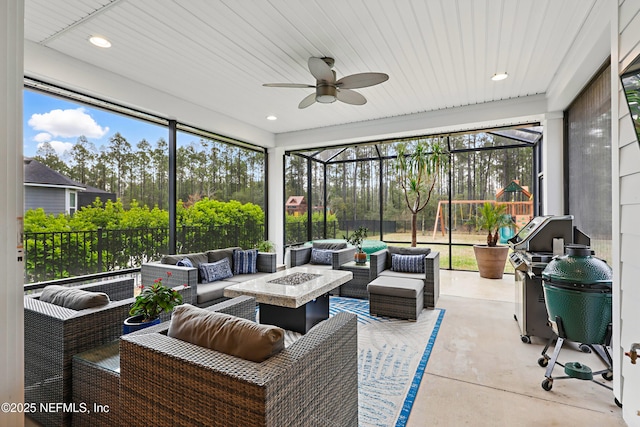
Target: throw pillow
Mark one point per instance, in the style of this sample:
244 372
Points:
226 333
244 262
196 258
212 271
408 263
185 262
321 256
75 299
401 250
330 245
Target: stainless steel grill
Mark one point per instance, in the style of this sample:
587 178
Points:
533 248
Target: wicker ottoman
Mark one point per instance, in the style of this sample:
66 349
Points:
396 297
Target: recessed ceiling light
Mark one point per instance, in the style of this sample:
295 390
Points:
100 41
499 76
272 117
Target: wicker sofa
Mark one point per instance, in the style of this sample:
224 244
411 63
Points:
53 334
381 261
205 294
313 382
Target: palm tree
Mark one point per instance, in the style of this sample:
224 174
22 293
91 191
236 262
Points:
491 217
418 174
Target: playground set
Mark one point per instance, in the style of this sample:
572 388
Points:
516 197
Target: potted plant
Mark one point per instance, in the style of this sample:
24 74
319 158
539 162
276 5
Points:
491 258
152 300
356 239
266 246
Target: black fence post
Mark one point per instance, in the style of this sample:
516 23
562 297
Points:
100 243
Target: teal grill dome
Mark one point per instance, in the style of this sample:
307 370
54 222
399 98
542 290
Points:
577 290
578 268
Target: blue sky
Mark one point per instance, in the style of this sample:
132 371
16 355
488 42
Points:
61 122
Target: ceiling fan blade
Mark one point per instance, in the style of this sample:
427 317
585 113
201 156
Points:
308 100
356 81
350 97
296 85
320 70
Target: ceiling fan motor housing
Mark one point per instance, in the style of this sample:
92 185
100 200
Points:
326 93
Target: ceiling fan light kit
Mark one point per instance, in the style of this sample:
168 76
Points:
328 89
326 94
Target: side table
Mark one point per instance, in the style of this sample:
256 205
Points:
96 378
362 275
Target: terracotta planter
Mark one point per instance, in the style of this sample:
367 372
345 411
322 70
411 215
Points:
360 258
491 260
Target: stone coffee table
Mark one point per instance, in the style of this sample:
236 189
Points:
295 299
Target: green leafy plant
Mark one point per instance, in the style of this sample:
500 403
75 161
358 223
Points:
418 173
492 216
155 299
266 246
357 237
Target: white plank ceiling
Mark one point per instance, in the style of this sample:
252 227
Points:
439 54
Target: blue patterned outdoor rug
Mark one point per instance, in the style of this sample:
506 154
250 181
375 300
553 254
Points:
392 357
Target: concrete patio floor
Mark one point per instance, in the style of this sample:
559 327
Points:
481 374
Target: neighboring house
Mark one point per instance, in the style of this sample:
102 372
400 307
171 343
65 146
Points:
296 205
48 189
90 194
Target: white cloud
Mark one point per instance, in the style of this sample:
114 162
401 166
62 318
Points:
42 137
68 124
59 147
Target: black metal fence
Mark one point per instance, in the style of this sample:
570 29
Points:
296 232
60 254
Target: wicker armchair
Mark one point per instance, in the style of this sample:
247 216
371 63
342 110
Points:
96 373
53 334
381 262
313 382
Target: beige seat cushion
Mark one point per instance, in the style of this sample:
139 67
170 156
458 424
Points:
226 333
396 287
75 299
211 291
391 273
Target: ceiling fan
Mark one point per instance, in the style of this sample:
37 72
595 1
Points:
328 89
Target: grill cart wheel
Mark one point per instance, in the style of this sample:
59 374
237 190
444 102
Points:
585 348
543 361
525 339
547 384
607 375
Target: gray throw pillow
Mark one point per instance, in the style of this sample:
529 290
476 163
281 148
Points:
330 245
75 299
196 258
226 333
321 256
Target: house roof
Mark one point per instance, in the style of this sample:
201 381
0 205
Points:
35 173
89 189
295 200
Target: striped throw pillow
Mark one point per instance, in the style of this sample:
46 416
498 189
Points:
244 262
408 263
